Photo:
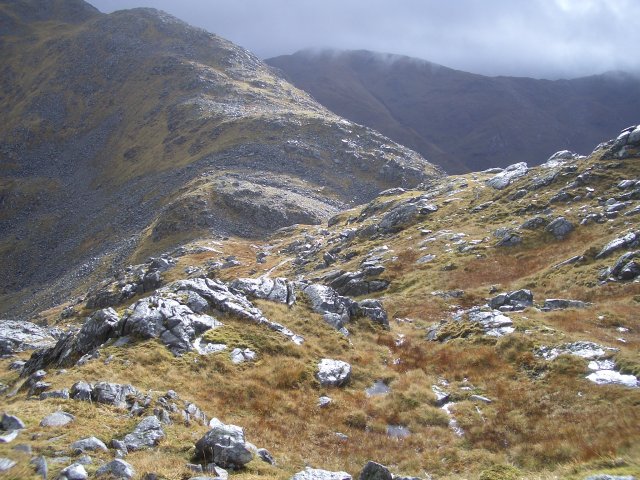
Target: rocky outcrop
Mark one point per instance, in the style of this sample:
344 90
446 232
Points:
562 304
337 310
278 290
626 268
559 228
176 325
630 240
333 373
511 173
515 300
354 284
20 336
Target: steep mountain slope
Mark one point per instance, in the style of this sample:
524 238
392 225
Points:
462 121
488 326
127 133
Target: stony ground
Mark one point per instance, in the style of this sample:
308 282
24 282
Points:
485 328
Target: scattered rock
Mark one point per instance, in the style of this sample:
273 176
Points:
494 323
535 223
224 445
11 422
507 176
121 396
265 456
6 464
354 283
74 472
375 471
317 474
324 401
57 419
333 373
118 469
147 434
90 444
515 300
239 355
559 228
510 239
626 241
40 466
561 304
278 290
20 336
398 431
603 476
405 214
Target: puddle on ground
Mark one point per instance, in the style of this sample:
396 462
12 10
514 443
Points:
378 388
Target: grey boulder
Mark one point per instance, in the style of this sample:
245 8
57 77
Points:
74 472
147 434
318 474
19 336
328 303
375 471
90 444
333 373
507 176
11 422
516 300
57 419
561 304
118 469
224 445
114 394
559 228
278 290
629 240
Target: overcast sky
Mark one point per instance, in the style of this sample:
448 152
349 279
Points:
539 38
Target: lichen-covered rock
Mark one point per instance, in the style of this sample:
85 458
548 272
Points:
176 325
326 301
115 394
404 214
224 445
333 373
74 472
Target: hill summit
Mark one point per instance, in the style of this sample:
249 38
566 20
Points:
128 133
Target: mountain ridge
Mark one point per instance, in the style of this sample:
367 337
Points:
464 121
120 128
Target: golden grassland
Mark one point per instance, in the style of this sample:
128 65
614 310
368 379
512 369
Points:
545 420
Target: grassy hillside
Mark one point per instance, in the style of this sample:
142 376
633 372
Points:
125 132
519 415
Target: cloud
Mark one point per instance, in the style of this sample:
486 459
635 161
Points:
539 38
